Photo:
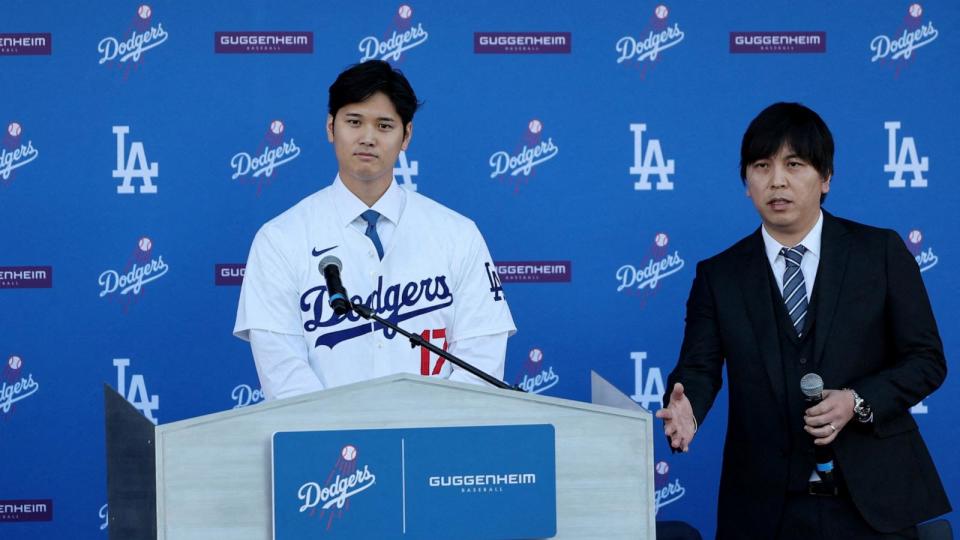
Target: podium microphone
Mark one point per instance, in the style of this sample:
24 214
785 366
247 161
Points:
330 267
812 387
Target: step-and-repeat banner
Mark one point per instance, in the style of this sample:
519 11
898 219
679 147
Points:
596 145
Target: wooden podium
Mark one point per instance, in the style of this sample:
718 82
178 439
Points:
213 472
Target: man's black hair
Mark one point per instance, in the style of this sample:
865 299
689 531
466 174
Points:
793 125
360 81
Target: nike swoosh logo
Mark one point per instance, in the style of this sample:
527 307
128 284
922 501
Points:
322 251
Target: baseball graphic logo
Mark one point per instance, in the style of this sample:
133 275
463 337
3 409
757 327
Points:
915 236
661 12
661 239
662 467
13 129
349 452
276 127
536 355
915 10
535 126
145 244
14 362
405 11
144 12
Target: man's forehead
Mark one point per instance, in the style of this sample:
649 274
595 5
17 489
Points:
377 105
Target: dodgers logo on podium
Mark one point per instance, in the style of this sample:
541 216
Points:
419 484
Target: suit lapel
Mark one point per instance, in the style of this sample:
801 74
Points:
834 251
755 286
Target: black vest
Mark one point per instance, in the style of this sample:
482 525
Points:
796 353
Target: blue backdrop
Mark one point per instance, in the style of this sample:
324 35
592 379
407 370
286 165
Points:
221 106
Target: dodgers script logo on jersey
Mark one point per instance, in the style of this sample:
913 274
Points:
345 480
898 49
644 51
906 160
530 152
395 302
401 36
642 280
17 384
274 150
126 286
14 153
140 36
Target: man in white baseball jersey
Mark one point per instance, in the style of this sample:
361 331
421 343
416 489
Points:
414 262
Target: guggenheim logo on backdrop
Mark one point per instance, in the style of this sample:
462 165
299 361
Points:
257 42
778 42
522 42
24 44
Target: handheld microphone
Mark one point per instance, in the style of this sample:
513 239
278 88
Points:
330 267
812 387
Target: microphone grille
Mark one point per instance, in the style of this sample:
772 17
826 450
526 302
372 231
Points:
811 385
328 260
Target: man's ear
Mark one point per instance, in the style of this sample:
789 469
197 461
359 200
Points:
407 135
329 128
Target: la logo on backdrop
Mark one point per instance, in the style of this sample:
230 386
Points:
897 50
15 153
401 36
645 50
135 390
129 283
528 154
905 160
643 280
649 162
127 51
275 149
17 385
330 499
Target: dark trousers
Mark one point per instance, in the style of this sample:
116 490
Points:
812 517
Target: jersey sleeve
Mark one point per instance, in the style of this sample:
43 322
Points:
480 307
269 297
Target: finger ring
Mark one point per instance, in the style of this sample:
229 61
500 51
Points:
832 427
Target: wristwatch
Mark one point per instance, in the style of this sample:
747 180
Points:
860 407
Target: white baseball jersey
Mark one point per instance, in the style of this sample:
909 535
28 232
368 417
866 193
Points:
436 279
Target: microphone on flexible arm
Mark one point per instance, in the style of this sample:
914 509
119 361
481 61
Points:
811 385
330 267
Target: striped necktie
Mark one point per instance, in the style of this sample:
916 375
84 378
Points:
794 288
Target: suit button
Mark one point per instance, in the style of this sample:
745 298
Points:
803 360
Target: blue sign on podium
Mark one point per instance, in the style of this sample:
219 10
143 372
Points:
489 482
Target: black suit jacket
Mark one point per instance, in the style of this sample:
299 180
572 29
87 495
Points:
875 333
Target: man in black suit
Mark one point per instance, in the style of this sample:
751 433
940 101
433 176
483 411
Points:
810 293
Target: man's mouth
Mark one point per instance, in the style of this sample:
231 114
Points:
779 203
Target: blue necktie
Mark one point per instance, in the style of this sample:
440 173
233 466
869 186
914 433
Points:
794 288
371 217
